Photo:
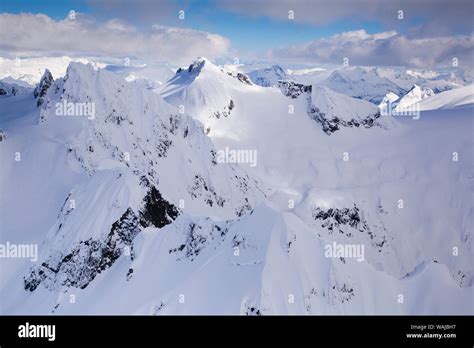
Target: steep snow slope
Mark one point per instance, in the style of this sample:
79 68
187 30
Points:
128 153
205 91
128 246
126 125
222 101
285 137
335 104
462 96
413 96
335 110
280 269
267 77
143 83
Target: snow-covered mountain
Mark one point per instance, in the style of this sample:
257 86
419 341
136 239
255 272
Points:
413 96
143 83
150 75
130 149
12 89
220 100
205 91
30 70
462 96
362 84
220 196
267 77
369 83
305 71
335 111
437 80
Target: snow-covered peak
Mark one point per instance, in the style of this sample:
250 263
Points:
361 83
334 104
419 92
196 67
145 178
121 126
335 111
413 96
205 91
267 77
458 97
388 99
43 86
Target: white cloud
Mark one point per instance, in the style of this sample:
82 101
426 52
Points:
382 49
39 35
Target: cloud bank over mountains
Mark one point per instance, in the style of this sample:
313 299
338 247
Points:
33 35
27 35
383 49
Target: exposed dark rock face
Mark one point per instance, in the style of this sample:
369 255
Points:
292 89
200 188
7 90
12 89
83 263
329 126
340 293
197 237
334 294
252 311
244 208
346 292
334 218
243 78
158 308
462 278
348 220
79 266
115 118
43 86
226 112
194 68
156 210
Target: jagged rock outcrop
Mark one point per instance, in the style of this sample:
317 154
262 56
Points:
80 265
43 86
293 89
332 110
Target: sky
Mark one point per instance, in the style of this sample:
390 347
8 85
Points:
368 32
